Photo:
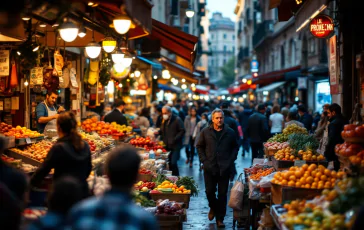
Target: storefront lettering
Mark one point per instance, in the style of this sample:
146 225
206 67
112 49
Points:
321 26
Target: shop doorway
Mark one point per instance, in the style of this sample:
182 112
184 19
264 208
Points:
322 95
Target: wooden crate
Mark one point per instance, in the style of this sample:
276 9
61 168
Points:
282 194
269 153
25 159
184 198
145 177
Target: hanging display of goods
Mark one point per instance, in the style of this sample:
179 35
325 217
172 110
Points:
36 76
93 74
120 75
322 26
4 63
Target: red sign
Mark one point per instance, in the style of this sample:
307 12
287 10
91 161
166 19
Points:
321 26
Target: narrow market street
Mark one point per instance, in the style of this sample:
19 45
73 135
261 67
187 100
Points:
198 210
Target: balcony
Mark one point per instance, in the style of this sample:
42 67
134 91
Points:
243 54
263 31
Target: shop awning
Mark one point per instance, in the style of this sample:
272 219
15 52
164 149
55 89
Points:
156 66
176 41
180 71
309 9
270 87
286 8
293 75
202 89
169 88
270 77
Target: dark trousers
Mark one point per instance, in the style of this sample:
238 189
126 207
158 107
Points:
257 150
218 205
246 145
190 150
173 159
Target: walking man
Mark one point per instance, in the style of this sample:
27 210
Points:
258 132
217 148
172 133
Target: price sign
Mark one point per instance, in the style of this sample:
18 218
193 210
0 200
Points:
299 163
28 140
322 26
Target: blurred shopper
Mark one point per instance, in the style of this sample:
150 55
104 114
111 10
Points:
243 119
258 132
319 132
142 120
190 124
336 126
158 123
65 193
115 209
217 148
172 131
305 118
292 119
199 127
276 121
285 109
181 113
10 208
116 115
69 156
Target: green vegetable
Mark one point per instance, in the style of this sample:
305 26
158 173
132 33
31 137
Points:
303 142
159 179
189 183
279 138
143 201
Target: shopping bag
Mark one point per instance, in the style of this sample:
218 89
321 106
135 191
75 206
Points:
237 194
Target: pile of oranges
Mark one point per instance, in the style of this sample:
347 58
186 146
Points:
174 187
296 207
308 176
310 156
358 159
285 154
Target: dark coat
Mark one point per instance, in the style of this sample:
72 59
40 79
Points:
13 179
231 122
258 130
244 118
307 121
65 161
336 126
172 132
116 116
218 156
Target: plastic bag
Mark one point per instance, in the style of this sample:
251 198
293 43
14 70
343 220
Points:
237 195
265 181
254 191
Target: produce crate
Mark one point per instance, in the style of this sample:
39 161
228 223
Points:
270 152
170 225
184 198
25 159
280 165
23 141
145 177
276 216
281 194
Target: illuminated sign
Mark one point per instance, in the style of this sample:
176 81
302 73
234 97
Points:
321 26
254 66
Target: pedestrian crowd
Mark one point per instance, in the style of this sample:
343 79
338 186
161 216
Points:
214 131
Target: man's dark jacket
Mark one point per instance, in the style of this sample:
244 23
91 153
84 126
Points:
172 132
336 126
244 119
257 130
217 156
116 116
307 121
231 122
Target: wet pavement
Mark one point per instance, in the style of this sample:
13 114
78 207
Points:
198 210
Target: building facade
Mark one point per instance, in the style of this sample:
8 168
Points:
222 43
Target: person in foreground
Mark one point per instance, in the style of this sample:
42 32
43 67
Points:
218 149
70 156
65 193
115 209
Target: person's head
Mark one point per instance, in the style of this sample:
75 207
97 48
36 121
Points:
299 103
291 116
301 110
225 105
67 126
205 117
159 109
286 104
166 112
334 110
122 166
119 104
145 112
178 107
325 107
217 117
65 193
275 109
261 108
51 97
193 112
179 101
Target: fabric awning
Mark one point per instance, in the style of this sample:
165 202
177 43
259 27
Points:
293 75
270 77
270 87
156 66
201 89
180 71
178 42
169 88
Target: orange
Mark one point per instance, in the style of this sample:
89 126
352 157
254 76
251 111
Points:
291 183
298 184
303 180
286 206
323 178
292 178
314 184
333 180
298 174
313 173
305 166
320 186
316 179
307 186
306 174
318 175
309 180
287 175
327 172
274 181
312 166
340 175
333 174
284 182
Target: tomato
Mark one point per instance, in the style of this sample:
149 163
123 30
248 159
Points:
349 127
350 133
349 152
337 148
359 131
343 134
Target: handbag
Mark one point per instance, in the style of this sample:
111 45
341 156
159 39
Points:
237 194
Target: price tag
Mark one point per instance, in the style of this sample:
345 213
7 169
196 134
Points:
299 163
28 140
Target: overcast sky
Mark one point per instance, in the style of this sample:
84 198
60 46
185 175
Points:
226 7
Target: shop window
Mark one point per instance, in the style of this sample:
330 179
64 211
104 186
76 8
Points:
293 53
322 95
225 48
272 62
312 46
224 36
282 57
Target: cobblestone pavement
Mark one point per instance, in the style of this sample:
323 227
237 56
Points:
198 210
